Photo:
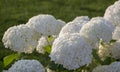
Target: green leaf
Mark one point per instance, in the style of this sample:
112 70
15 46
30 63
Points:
108 60
96 57
10 58
57 67
50 38
113 40
48 49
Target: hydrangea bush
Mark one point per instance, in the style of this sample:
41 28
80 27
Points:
82 45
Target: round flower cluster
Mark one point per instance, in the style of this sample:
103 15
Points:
75 25
97 28
24 38
26 66
71 50
45 25
112 13
20 38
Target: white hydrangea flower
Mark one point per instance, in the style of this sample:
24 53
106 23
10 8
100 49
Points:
43 41
112 13
103 68
26 66
116 33
110 50
115 50
97 28
113 67
20 38
104 51
71 50
75 25
45 24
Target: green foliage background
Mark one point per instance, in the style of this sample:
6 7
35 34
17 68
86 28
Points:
15 12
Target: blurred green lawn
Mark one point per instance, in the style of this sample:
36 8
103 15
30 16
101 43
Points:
14 12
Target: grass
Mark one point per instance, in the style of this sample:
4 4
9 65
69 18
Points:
15 12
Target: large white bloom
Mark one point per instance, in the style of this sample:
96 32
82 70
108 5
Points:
112 13
45 24
116 34
26 66
75 25
97 28
20 38
113 67
71 50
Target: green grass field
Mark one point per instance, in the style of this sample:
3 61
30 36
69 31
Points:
15 12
